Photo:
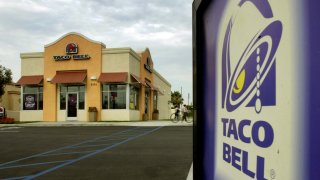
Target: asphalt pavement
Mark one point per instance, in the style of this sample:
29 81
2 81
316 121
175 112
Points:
103 151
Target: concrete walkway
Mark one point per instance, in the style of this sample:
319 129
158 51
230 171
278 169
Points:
104 123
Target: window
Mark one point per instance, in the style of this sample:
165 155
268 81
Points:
114 96
32 98
81 97
134 98
75 89
155 100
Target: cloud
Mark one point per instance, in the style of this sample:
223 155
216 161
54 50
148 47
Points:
163 26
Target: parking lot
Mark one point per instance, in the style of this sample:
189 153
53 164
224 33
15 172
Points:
95 152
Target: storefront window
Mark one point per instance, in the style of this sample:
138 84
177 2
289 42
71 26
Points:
134 98
114 96
62 101
64 90
81 97
155 100
32 98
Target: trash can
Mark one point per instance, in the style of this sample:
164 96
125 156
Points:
93 114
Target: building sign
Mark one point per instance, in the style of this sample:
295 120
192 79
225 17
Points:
72 48
148 66
72 53
249 81
255 112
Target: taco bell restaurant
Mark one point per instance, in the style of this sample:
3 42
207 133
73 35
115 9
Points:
79 79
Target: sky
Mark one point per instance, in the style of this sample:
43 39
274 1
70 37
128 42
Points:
164 26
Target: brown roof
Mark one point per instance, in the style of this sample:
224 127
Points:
69 77
30 80
137 79
119 77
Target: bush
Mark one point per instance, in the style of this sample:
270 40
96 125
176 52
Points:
6 120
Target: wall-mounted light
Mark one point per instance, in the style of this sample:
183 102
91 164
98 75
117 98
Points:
49 79
93 78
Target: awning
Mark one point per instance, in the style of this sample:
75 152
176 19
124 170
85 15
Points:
119 77
150 85
30 80
153 88
69 77
137 79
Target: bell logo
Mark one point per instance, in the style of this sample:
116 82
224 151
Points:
250 80
72 48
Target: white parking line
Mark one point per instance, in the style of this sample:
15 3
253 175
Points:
6 128
9 131
190 175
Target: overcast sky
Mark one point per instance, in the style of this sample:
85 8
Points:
164 26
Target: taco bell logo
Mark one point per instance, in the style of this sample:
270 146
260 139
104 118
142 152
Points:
252 80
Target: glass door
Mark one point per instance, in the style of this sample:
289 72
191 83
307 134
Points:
72 106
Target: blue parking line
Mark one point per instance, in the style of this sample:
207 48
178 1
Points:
34 164
16 178
89 155
36 155
66 153
105 140
93 145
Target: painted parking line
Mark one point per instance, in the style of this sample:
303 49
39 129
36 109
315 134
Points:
16 178
89 155
127 135
33 164
6 128
67 153
36 155
9 131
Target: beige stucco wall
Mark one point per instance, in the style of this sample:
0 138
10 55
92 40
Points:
115 60
11 101
115 115
11 98
120 115
134 61
165 87
32 64
31 115
134 115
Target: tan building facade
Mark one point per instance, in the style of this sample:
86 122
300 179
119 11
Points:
10 100
75 74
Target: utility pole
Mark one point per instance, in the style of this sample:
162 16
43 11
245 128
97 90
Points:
188 98
181 97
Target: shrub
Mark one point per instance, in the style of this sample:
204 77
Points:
6 120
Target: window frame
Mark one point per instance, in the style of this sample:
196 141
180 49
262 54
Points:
106 90
136 98
36 94
64 89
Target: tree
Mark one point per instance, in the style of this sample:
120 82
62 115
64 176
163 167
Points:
5 78
176 98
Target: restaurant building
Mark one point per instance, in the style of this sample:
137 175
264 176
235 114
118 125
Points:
75 75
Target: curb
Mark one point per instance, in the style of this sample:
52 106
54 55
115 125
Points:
96 124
